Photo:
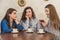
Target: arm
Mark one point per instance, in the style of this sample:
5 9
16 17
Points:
38 25
4 27
17 24
20 27
25 24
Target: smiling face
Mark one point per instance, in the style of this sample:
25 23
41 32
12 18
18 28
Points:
47 12
29 13
13 15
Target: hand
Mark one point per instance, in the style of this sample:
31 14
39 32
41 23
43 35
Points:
16 20
27 17
44 23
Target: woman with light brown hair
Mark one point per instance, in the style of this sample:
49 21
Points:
53 25
9 22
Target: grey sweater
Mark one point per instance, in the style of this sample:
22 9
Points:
53 31
34 23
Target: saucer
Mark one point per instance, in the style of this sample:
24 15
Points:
41 32
29 31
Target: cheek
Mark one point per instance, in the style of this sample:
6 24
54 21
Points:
13 16
30 14
47 12
27 14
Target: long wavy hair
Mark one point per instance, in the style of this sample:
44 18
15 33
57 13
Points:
24 14
54 18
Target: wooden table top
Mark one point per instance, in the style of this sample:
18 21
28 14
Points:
27 36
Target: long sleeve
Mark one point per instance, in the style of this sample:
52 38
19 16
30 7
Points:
25 24
38 25
20 27
34 23
5 28
0 28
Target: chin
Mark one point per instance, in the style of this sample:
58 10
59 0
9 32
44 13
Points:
13 19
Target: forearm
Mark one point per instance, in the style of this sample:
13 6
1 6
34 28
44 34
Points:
7 30
20 27
25 24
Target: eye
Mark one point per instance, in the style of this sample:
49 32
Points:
14 13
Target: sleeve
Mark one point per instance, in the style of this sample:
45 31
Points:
4 27
38 25
25 24
20 27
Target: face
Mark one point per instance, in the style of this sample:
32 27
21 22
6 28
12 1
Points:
47 12
29 13
13 15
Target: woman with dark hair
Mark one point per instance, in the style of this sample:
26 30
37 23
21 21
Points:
29 20
53 25
10 21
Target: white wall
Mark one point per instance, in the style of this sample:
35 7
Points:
37 5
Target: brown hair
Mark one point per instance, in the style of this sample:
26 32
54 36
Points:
54 18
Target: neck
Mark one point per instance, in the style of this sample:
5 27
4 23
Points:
11 20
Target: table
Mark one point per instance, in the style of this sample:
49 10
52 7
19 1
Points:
27 36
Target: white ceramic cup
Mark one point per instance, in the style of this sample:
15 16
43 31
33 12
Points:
30 30
15 30
41 31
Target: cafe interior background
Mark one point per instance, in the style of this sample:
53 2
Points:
37 5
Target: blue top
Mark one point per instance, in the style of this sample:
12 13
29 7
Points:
6 29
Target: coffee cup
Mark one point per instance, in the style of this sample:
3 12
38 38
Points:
15 30
30 29
41 31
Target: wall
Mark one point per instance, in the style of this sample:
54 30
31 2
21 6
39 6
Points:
37 5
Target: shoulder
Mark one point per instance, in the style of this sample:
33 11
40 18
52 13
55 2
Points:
4 21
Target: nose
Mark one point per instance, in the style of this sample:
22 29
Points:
16 16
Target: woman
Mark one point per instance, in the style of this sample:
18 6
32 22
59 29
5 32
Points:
53 25
29 20
10 21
